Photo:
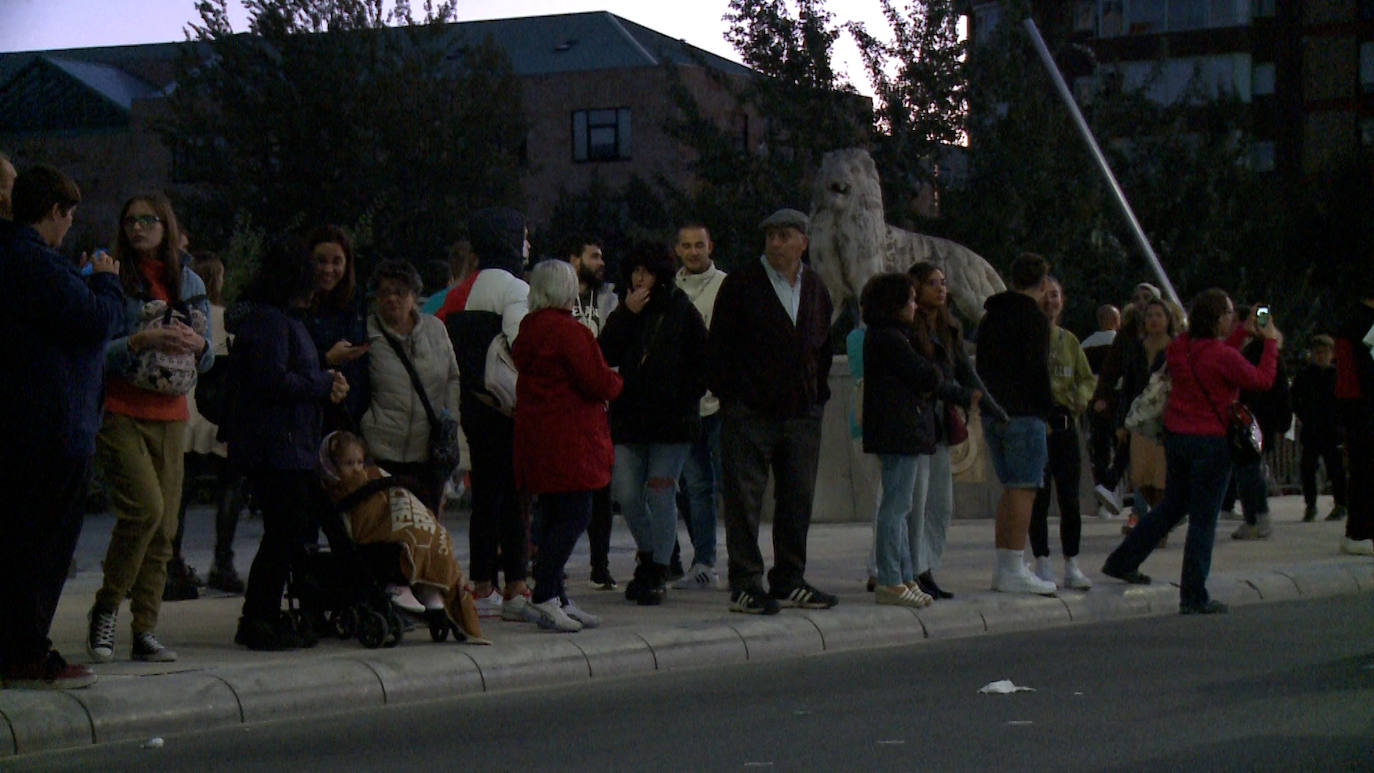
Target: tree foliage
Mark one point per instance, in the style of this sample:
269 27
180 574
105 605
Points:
338 111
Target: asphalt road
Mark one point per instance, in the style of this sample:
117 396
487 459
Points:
1269 687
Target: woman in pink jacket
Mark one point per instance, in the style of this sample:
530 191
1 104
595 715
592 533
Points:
1207 372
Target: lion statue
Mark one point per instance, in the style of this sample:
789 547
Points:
851 241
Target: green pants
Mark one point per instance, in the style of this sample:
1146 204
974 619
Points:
142 464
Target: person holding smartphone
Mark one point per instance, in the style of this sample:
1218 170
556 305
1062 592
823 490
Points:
1273 411
337 321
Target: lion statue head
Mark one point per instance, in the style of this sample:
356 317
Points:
848 229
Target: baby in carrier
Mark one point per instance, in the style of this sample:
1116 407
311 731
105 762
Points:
381 509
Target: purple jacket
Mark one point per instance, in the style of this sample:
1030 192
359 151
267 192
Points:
278 391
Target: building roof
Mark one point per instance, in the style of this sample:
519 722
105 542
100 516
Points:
50 93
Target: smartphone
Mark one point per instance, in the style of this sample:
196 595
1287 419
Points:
1262 316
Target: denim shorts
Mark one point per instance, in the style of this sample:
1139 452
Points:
1018 450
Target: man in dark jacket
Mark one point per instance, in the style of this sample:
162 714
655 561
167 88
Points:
1013 360
1275 415
1314 401
56 325
769 361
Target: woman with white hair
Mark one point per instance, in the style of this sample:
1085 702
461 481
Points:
562 440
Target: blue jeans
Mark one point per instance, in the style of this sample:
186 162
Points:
896 526
649 510
699 476
1197 469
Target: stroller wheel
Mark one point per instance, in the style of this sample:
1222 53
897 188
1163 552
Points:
372 630
345 622
438 625
395 630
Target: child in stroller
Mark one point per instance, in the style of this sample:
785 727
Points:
379 509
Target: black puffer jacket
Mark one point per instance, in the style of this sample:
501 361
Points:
1272 407
661 353
899 394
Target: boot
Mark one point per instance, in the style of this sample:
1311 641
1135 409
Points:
224 577
657 588
634 590
179 586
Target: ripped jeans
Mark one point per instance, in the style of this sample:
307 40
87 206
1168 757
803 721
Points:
644 482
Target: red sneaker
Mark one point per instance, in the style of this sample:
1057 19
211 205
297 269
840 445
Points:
50 672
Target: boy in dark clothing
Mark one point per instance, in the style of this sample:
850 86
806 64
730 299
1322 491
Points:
1314 401
1013 361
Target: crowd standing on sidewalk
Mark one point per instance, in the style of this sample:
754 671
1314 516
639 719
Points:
335 402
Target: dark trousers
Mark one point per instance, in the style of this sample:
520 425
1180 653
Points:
498 535
289 500
751 444
1196 470
562 519
1327 452
229 496
1106 455
39 526
1359 446
1248 484
1063 469
599 528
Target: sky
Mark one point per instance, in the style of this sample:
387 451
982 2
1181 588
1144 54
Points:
27 25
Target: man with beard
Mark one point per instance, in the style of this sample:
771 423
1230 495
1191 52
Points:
596 297
596 300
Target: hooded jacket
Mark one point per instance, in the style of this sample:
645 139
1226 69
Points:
701 290
1013 354
492 302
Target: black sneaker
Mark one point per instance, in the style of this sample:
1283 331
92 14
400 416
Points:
601 579
148 649
752 601
179 588
804 596
1212 607
224 577
1337 513
267 635
1134 577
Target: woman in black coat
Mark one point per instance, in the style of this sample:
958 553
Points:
279 393
658 340
899 426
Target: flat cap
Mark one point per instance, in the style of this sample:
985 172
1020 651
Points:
785 218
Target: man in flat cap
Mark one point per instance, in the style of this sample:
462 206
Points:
769 359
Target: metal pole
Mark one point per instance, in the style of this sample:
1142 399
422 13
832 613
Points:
1067 96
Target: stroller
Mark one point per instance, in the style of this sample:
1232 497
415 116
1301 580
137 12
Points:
341 590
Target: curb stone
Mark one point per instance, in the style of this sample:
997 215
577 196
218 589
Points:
550 659
305 687
1107 603
167 704
779 636
1248 589
424 673
1315 581
1004 612
951 621
38 721
1271 586
1364 576
614 653
856 626
694 645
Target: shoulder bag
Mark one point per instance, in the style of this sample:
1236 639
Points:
444 455
1243 435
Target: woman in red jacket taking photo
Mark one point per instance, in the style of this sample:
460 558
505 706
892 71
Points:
562 441
1206 375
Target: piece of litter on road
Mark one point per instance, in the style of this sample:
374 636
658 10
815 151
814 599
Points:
1020 722
1003 687
758 764
155 742
893 742
801 712
1078 693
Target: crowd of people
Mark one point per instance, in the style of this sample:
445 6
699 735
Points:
322 397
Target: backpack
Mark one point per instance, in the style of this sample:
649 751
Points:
157 371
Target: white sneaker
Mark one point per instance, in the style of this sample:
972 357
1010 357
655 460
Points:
489 607
518 609
1357 547
699 577
404 599
430 597
1074 577
1043 570
1107 498
587 619
550 616
1013 577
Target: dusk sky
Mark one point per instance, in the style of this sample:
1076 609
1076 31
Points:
27 25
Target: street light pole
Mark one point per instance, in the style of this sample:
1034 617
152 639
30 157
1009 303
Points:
1078 120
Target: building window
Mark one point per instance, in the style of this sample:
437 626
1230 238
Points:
1262 79
1111 16
985 18
1262 156
601 135
1367 66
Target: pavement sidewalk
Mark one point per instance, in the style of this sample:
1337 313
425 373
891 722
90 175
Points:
216 683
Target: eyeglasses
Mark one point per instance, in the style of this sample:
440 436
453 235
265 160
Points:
147 221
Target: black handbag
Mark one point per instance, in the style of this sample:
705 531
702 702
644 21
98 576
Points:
1243 435
444 454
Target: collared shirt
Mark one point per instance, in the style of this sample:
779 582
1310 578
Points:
789 293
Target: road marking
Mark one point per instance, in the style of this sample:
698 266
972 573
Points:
1020 722
893 742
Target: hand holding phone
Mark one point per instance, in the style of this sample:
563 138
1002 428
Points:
1262 316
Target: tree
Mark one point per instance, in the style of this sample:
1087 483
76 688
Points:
920 84
336 111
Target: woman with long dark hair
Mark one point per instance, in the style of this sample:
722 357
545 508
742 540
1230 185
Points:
1206 373
962 390
337 321
279 391
143 437
658 340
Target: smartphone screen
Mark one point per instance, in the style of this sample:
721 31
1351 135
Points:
1262 316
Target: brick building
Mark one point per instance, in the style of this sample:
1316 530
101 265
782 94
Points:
595 92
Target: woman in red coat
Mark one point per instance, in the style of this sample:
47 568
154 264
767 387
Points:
562 441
